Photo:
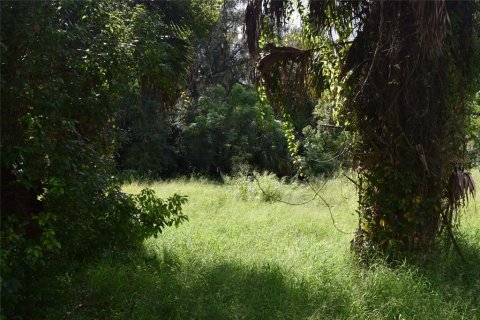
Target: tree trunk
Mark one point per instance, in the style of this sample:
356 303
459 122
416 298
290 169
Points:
407 103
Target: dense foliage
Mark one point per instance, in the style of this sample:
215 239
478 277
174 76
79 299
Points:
222 58
216 124
162 60
159 131
324 150
224 130
232 129
69 69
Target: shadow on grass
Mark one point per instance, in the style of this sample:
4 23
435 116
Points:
452 277
142 286
232 291
441 286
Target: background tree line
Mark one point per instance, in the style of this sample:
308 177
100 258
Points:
218 121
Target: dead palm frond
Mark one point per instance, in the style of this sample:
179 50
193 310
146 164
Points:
432 19
253 20
461 186
286 69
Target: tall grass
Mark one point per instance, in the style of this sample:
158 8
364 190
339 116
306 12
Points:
241 257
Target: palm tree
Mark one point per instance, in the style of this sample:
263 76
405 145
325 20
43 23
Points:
408 72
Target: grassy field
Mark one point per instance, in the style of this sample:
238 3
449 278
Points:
241 257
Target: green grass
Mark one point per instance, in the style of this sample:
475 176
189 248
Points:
240 257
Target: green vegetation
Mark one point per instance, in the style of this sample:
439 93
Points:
98 93
473 145
69 70
252 259
234 129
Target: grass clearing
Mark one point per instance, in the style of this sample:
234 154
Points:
243 258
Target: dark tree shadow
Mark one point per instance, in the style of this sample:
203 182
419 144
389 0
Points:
150 286
452 276
162 285
229 290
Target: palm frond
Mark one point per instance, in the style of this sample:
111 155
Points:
253 20
461 187
432 19
286 70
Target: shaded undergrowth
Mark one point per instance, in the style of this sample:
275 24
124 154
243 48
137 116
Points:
147 285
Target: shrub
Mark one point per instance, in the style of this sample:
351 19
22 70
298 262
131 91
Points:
254 186
233 128
473 133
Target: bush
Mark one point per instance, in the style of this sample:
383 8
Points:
233 128
249 186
